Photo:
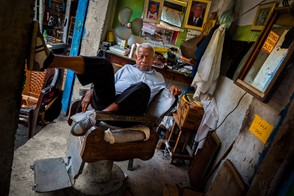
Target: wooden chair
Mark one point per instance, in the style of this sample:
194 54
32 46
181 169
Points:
38 95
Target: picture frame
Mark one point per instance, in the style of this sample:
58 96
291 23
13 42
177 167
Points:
270 55
197 14
153 10
263 15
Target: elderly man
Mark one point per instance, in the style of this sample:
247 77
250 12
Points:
196 18
128 92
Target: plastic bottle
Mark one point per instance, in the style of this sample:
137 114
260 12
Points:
45 36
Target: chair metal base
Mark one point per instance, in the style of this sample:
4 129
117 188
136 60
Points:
86 184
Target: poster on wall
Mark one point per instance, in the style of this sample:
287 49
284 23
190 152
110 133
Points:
191 34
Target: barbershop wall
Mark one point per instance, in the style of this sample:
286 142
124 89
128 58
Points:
136 5
248 151
242 31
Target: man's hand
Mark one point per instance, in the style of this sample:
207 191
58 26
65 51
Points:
174 90
86 100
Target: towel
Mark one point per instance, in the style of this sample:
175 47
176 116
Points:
136 133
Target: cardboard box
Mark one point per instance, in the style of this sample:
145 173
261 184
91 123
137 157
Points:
189 113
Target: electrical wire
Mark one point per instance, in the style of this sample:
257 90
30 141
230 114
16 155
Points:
226 116
231 111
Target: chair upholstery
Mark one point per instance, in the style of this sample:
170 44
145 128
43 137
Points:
38 95
95 148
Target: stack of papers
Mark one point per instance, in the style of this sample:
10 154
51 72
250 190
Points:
119 50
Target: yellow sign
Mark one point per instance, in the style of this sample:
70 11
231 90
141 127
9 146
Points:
260 128
270 42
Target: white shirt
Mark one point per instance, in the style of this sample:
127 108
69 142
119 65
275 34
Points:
130 74
152 16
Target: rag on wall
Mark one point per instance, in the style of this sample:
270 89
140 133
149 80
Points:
209 66
209 120
201 49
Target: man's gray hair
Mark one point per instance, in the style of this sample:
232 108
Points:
146 46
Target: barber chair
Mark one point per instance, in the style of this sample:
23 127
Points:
88 166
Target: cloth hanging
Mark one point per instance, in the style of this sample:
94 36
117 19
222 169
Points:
209 66
209 120
201 49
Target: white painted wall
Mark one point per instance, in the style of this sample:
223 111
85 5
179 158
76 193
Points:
93 27
247 149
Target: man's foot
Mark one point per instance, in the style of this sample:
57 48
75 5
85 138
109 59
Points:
82 122
40 56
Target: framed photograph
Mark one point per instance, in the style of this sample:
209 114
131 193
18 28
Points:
262 16
153 9
196 14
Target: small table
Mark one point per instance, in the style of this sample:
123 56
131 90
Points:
176 152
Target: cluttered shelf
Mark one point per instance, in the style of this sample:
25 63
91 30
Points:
170 74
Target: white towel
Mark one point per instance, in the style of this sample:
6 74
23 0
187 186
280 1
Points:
136 133
209 66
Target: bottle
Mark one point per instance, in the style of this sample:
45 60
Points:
45 36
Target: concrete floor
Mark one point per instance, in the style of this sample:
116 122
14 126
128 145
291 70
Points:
148 178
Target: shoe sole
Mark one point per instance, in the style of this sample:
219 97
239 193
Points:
36 49
30 65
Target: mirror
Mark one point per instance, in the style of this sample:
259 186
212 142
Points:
269 56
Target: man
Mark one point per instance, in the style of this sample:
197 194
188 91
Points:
128 92
196 18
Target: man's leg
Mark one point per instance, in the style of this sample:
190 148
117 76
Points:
134 100
41 57
99 71
96 70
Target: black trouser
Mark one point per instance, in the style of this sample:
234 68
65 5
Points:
99 71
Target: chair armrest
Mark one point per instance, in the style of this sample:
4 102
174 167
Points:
25 110
52 84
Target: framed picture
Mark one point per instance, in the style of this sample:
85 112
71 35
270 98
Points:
262 16
153 9
196 14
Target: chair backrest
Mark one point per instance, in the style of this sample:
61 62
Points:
35 82
162 104
33 86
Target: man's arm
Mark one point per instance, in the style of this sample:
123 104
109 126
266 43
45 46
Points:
86 100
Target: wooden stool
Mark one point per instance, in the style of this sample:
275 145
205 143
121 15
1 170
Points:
189 133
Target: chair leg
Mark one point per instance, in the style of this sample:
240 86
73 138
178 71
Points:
130 165
42 115
31 124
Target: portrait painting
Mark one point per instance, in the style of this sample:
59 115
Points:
153 9
197 14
